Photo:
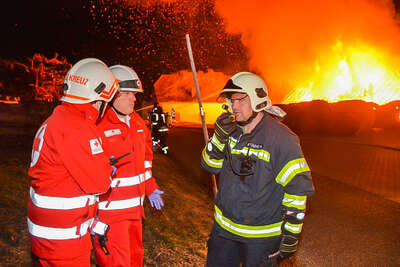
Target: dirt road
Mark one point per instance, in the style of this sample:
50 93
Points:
345 224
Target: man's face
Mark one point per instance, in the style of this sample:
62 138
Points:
241 106
125 102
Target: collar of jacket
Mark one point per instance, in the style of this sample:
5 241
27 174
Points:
87 111
112 116
258 125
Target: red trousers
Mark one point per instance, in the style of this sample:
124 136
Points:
80 261
124 244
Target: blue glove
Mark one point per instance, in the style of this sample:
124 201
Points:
113 167
156 200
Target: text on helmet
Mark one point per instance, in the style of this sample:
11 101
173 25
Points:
78 79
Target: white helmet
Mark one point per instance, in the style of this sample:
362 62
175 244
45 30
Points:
87 81
128 79
252 85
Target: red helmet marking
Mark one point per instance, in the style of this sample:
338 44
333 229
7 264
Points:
76 97
108 94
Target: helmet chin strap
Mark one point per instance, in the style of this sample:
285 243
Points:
244 123
101 109
116 110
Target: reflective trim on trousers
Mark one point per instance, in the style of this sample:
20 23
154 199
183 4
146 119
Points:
247 230
121 204
53 233
61 203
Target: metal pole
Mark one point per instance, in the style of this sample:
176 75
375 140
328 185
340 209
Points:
202 114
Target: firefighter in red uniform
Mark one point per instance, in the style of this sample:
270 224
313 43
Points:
122 207
69 168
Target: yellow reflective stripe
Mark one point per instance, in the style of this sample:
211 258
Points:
290 170
214 163
298 202
232 143
293 228
214 140
259 153
246 230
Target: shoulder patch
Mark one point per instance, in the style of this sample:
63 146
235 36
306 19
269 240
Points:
112 132
95 146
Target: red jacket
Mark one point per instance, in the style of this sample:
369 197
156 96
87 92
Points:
68 166
133 179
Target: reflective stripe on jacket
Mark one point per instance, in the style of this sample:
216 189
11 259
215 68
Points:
133 178
68 167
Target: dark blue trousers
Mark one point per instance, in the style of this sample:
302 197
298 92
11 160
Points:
230 253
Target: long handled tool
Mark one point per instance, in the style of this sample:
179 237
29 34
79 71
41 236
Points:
202 114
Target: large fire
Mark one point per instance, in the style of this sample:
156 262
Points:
352 74
331 50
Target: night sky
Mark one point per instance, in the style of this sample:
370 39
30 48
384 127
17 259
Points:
49 26
44 26
151 39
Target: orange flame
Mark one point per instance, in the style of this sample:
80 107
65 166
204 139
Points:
180 86
357 73
177 91
290 44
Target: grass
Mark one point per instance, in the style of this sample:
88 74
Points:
14 242
175 236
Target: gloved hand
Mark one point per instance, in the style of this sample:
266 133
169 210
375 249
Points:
156 200
224 126
113 167
288 246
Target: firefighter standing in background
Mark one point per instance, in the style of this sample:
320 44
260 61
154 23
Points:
122 207
264 179
173 115
159 128
69 168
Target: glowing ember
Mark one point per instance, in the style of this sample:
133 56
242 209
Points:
10 100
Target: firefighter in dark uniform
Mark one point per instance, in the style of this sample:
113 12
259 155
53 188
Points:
159 128
264 179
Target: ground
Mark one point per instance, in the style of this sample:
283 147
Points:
347 223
